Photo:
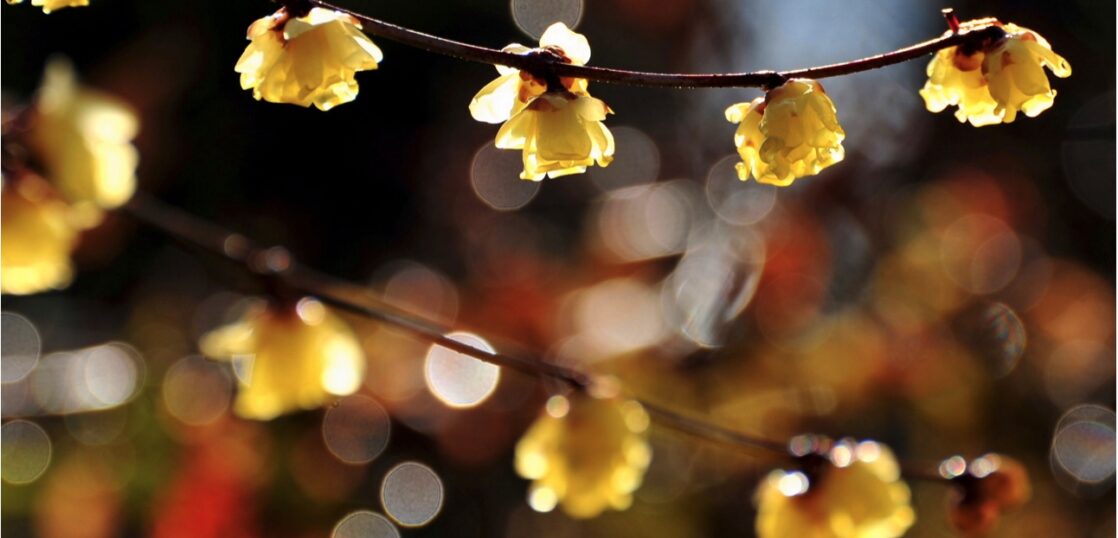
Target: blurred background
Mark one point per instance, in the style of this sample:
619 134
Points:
945 290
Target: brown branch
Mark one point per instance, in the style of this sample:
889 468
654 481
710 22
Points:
545 64
359 300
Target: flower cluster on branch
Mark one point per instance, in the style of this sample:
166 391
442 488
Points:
585 453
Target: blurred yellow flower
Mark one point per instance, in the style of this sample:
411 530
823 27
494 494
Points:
561 133
991 83
83 138
854 491
51 5
585 454
37 237
306 60
791 132
982 489
511 92
288 358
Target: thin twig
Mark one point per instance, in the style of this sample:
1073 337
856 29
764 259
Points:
755 79
361 301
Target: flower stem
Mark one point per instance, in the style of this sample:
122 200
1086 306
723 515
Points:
755 79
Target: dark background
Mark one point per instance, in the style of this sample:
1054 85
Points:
387 178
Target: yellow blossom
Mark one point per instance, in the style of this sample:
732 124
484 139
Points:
791 132
511 92
991 82
51 5
308 60
83 138
1014 67
949 84
37 237
852 491
585 454
561 133
288 358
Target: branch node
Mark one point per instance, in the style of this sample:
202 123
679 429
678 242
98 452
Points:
951 18
771 79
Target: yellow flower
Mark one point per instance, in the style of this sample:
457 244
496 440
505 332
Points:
560 129
51 5
1014 67
992 82
852 491
791 132
83 138
561 133
37 237
585 454
306 60
965 87
288 358
511 92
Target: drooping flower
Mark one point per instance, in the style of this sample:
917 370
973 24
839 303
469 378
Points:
83 138
851 490
309 60
983 489
38 234
288 358
511 92
585 454
561 134
992 81
51 5
791 132
1014 67
559 128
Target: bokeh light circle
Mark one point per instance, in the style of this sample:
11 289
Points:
647 221
365 524
458 380
980 253
637 161
997 335
21 348
112 373
356 430
1083 449
495 177
25 451
197 391
713 283
412 494
534 16
735 201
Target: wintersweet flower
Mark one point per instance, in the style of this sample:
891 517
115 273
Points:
585 454
308 60
791 132
38 234
1014 67
561 133
288 358
991 82
51 5
511 92
852 490
83 138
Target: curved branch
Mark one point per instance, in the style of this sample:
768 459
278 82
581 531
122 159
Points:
755 79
